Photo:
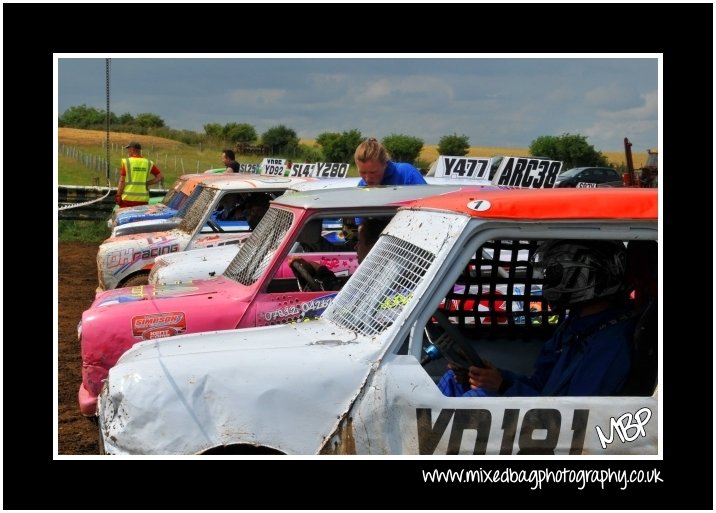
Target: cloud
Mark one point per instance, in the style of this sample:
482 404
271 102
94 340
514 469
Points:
264 97
424 86
635 123
612 97
646 109
372 92
494 101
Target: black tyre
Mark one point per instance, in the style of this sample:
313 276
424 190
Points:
137 279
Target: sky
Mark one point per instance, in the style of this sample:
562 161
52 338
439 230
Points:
494 100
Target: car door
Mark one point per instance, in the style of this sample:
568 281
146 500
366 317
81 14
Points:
402 411
284 299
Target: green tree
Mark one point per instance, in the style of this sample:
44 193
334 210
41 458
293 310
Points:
148 120
125 119
339 147
239 132
214 131
280 139
309 153
327 138
83 116
403 148
454 145
572 149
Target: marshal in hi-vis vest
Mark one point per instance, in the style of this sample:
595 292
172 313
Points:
135 185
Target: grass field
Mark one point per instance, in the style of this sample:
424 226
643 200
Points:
83 231
175 158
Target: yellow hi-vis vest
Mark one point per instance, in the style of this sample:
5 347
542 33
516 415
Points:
135 183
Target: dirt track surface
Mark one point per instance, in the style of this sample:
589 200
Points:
77 281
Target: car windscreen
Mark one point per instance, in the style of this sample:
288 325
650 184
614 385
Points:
166 200
193 211
257 251
569 173
381 287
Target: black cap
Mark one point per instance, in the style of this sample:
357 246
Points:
135 145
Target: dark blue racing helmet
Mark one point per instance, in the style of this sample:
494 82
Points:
576 271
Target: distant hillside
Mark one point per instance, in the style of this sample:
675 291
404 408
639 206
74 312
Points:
78 137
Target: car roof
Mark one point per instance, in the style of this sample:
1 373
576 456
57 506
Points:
589 167
233 181
370 196
531 204
450 180
325 183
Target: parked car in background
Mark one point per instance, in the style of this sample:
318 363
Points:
353 381
586 177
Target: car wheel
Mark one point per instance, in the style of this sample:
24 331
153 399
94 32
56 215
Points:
136 280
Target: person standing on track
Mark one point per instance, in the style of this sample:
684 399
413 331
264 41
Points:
228 157
133 186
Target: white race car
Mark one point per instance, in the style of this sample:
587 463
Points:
357 379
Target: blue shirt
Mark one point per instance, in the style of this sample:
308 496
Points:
597 365
399 173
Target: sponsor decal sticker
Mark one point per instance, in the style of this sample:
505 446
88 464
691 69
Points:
301 311
155 333
168 321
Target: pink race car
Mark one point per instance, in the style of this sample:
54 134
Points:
258 287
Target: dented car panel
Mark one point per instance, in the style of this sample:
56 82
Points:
197 264
201 411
